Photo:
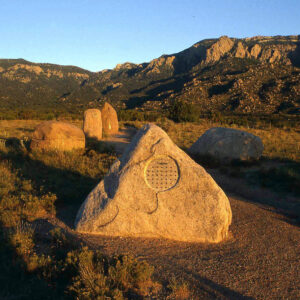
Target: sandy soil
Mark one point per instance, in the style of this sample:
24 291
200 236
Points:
260 259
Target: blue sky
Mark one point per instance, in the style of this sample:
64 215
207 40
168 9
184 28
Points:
98 34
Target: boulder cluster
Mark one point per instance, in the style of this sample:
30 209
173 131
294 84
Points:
154 190
62 136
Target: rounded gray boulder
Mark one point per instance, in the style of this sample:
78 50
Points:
226 144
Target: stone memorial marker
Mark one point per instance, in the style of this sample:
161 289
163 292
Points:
55 135
227 144
92 124
156 190
110 122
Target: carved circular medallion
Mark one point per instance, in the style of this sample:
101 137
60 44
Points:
162 173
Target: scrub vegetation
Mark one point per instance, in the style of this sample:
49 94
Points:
41 257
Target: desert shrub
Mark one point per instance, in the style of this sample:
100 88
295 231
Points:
179 289
19 199
21 237
39 265
134 115
253 121
16 251
99 276
181 111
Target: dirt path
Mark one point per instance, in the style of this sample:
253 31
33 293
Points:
121 140
260 260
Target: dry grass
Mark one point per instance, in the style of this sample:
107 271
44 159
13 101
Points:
22 239
179 289
278 143
260 259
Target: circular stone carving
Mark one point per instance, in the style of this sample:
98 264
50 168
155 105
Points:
162 173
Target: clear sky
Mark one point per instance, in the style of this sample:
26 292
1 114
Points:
98 34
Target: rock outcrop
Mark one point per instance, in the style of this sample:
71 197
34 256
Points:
203 73
222 46
226 144
241 51
156 190
55 135
110 123
92 124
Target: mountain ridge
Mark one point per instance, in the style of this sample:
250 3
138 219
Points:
250 75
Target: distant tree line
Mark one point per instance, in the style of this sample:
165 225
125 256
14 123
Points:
179 111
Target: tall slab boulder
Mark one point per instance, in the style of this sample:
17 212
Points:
56 135
156 190
110 123
92 124
226 144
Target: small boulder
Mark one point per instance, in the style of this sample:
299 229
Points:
226 144
110 122
156 190
92 124
56 135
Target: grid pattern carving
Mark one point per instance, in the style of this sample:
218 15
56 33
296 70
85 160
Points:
161 173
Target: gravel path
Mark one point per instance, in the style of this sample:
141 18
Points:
260 259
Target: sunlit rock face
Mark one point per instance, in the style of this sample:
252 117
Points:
156 190
56 135
92 124
110 123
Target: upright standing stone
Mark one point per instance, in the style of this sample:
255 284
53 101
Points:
110 122
92 124
55 135
156 190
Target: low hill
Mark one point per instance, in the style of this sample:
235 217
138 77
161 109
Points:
258 75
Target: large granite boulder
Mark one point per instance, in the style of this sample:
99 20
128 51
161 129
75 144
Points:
110 122
56 135
92 124
156 190
226 144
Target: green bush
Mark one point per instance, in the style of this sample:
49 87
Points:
181 111
134 115
99 276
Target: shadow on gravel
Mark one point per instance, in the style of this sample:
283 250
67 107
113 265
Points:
217 291
271 182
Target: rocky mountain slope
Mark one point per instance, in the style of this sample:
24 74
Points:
252 75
